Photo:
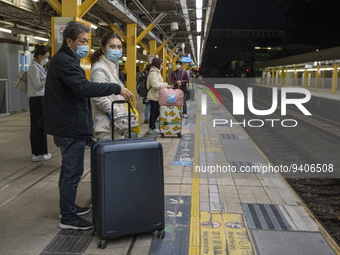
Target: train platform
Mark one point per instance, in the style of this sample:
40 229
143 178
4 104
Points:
316 92
214 201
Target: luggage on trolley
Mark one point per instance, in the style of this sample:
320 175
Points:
127 188
170 117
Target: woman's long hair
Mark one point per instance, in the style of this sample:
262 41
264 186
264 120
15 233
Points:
156 62
104 41
39 50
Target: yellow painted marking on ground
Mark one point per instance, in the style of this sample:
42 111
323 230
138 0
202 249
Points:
238 242
194 238
213 239
211 145
224 233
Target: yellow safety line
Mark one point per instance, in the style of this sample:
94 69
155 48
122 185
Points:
194 238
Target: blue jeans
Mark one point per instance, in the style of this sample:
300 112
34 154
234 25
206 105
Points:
72 152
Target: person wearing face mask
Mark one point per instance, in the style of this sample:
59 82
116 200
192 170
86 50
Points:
180 79
36 77
154 84
68 117
105 68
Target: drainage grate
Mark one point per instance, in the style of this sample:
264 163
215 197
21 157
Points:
269 242
65 245
70 242
265 216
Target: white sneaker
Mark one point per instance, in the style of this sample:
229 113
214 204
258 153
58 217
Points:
185 115
43 157
154 131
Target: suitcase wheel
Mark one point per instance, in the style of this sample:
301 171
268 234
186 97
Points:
162 135
159 234
102 244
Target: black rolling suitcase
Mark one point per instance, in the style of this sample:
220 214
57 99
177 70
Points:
127 188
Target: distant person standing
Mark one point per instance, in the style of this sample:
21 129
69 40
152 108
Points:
180 79
143 81
36 78
154 84
139 74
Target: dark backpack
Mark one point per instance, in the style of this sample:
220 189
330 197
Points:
142 88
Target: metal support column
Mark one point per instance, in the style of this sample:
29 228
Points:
153 47
283 76
164 63
69 8
305 78
316 79
323 79
131 54
152 50
335 79
295 77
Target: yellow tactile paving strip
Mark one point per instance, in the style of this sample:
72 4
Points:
211 232
194 238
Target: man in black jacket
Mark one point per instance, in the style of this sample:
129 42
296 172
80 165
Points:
68 117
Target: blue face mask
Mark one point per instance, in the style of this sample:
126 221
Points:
82 51
114 55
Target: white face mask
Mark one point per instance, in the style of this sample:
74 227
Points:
44 61
161 68
178 66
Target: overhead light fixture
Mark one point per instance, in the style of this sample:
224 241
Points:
35 1
199 38
5 30
137 46
199 26
173 26
199 13
40 38
199 4
103 23
94 26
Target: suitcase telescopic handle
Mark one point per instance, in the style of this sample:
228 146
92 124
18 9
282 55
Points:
112 114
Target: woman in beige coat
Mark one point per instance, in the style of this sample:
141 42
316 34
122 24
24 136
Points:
154 84
105 68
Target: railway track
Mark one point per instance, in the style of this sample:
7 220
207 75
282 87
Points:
314 140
